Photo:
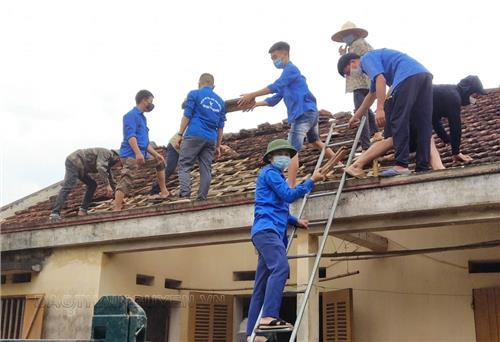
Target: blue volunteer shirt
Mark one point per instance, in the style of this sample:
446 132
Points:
292 87
206 113
394 65
272 197
134 125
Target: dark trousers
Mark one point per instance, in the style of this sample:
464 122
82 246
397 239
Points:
411 112
270 277
196 149
70 178
171 165
370 127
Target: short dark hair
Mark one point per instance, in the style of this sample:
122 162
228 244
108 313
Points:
280 46
207 79
141 95
344 61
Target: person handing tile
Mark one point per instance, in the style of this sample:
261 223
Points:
303 115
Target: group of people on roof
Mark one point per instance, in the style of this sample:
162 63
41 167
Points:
406 113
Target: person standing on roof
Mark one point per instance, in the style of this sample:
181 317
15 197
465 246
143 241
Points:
135 149
269 234
448 100
201 133
411 90
303 115
358 85
79 165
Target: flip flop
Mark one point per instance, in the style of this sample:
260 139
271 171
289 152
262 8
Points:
358 175
276 324
393 172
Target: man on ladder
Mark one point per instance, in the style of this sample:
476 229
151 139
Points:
271 219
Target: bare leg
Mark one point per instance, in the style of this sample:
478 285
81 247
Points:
293 168
162 182
318 144
375 151
435 158
119 196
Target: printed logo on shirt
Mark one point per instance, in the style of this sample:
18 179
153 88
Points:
211 103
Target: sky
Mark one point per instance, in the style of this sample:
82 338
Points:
69 70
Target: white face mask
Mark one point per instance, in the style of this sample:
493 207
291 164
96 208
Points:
356 72
472 100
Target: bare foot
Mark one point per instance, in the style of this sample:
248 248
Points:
82 212
355 171
457 158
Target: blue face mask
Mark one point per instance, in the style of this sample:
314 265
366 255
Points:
349 39
278 63
281 162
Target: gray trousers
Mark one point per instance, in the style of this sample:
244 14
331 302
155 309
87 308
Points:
70 178
195 149
370 127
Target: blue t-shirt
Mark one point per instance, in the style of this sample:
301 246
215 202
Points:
272 197
394 65
206 113
134 125
292 87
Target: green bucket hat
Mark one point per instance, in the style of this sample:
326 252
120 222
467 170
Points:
279 144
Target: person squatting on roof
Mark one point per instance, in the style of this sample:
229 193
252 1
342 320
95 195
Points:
448 100
411 91
303 115
201 133
79 165
136 151
269 233
358 85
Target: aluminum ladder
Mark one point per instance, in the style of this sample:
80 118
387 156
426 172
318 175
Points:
328 226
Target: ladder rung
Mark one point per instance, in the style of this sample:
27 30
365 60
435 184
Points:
294 291
342 125
301 256
341 143
321 194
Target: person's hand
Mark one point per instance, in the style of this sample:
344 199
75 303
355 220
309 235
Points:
457 158
353 122
139 158
342 50
303 224
109 191
246 99
380 117
252 107
317 176
159 158
218 152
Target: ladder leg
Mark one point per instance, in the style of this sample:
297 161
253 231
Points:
325 237
301 211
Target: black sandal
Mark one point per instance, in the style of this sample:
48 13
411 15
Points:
275 324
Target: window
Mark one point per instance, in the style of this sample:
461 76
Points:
486 312
484 266
244 275
322 272
146 280
172 283
22 317
337 320
21 278
210 317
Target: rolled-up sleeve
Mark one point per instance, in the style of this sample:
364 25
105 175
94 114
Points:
273 100
222 118
190 104
129 126
372 66
292 220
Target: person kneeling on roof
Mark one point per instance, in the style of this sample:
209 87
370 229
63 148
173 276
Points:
78 166
201 135
269 234
448 99
135 149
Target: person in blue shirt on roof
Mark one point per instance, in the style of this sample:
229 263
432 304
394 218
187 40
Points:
135 149
303 113
271 220
201 135
411 90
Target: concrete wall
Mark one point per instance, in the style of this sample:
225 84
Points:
70 282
